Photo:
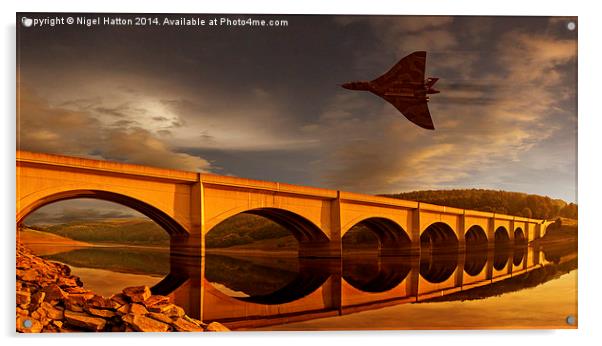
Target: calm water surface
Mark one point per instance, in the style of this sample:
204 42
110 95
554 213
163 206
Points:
525 287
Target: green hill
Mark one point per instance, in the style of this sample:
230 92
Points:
503 202
244 229
122 231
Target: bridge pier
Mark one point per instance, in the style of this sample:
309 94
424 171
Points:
333 248
461 232
187 245
459 278
413 279
415 232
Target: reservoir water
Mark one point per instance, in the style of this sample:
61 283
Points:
523 287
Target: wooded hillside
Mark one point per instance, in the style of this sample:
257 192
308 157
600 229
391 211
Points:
511 203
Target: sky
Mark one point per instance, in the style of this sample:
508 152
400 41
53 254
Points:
265 103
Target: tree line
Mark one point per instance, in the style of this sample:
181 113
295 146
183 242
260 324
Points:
497 201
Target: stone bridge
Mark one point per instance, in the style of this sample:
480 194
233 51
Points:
188 205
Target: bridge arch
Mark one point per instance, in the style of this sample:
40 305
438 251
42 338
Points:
307 233
519 237
439 236
168 223
475 237
501 237
392 238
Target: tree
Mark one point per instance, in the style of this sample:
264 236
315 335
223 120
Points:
527 212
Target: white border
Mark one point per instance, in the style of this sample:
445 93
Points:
589 163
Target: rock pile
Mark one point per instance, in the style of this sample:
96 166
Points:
50 299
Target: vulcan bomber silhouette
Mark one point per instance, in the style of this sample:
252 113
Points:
405 88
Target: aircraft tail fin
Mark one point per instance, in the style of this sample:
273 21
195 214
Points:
409 69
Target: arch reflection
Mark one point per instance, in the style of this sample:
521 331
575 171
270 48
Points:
501 256
519 255
375 274
265 280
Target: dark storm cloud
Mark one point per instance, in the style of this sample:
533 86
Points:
265 102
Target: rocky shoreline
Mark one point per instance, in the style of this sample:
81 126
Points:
51 300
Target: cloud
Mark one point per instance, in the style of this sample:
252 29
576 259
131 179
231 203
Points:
255 122
139 146
46 128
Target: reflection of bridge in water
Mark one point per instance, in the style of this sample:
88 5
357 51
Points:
303 288
188 205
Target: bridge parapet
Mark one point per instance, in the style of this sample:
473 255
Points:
251 184
503 217
352 197
440 209
107 167
476 213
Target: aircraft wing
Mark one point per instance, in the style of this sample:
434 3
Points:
409 70
416 111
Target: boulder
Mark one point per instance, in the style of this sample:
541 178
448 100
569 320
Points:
80 298
156 300
75 290
142 323
73 305
70 281
84 321
137 294
124 309
100 312
160 307
54 293
137 309
160 317
23 297
22 312
182 325
217 327
119 299
58 324
52 312
37 298
29 275
38 314
175 311
99 302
